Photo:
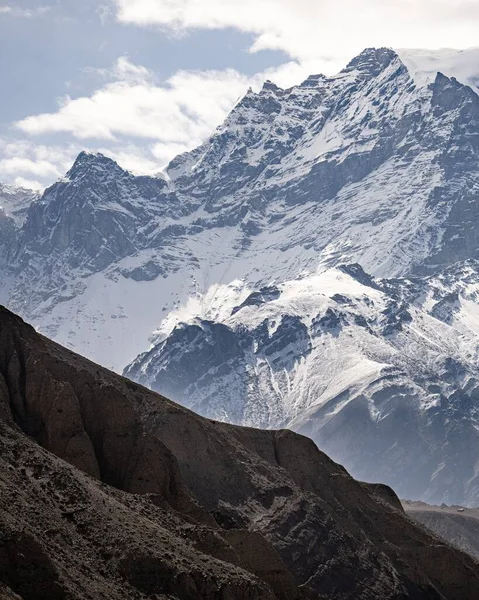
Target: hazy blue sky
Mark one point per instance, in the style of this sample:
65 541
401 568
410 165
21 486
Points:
142 80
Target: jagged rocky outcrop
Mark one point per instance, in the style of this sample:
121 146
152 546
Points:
15 202
14 205
109 489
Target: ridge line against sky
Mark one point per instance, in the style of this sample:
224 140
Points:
143 80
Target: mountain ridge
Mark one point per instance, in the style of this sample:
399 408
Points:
246 223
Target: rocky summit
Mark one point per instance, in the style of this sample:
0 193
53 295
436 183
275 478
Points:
110 490
311 265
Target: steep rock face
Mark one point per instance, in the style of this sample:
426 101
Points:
211 499
14 205
382 374
96 215
93 217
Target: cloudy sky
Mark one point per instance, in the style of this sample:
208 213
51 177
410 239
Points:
142 80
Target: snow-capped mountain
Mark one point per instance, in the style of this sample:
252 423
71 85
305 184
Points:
14 205
376 166
367 166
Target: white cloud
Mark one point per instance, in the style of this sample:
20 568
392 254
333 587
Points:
16 11
170 117
124 70
182 111
29 184
330 31
17 164
140 160
165 152
23 161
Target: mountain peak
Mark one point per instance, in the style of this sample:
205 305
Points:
269 86
87 161
312 80
372 60
448 92
10 190
424 65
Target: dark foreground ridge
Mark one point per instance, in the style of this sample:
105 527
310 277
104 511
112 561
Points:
108 490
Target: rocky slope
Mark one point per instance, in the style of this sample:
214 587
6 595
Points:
109 490
15 202
14 205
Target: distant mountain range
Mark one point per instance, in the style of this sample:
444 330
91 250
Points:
313 265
